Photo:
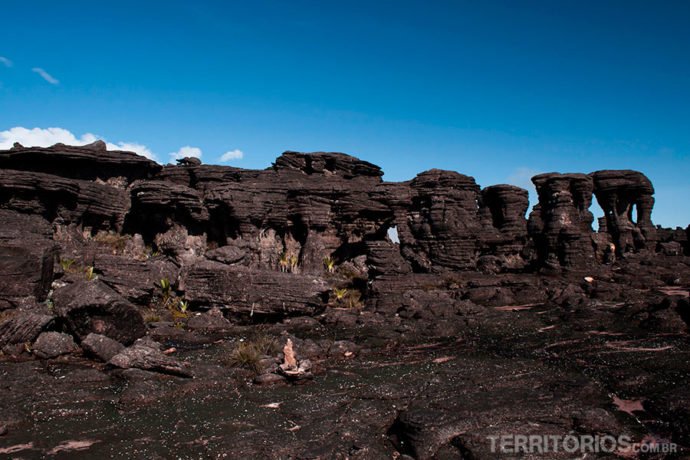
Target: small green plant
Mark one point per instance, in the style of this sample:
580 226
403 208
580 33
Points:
183 305
90 275
329 263
165 287
66 264
339 294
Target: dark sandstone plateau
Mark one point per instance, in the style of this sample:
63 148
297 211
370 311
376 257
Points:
198 311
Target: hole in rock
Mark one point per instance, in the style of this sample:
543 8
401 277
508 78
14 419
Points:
393 234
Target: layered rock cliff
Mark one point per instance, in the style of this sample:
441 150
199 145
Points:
229 233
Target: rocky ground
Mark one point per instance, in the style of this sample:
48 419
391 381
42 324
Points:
209 312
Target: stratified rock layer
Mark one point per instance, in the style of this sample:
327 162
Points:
279 241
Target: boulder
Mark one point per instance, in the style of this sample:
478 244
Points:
246 292
101 347
92 307
148 358
53 344
189 161
210 320
133 279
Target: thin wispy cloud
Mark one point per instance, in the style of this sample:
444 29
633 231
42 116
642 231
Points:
46 76
6 62
236 154
45 137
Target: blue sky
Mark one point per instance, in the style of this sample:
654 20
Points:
496 90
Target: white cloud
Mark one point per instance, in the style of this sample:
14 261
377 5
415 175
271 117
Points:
39 137
6 62
132 147
186 151
46 76
236 154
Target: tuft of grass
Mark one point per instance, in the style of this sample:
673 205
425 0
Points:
112 240
246 355
152 318
265 344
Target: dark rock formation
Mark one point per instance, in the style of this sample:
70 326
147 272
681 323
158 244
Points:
89 162
27 257
561 223
442 228
248 292
101 347
620 193
92 307
225 225
189 161
504 227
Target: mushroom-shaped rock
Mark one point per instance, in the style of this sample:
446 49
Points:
619 193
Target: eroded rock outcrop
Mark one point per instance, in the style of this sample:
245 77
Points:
279 241
561 223
621 193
